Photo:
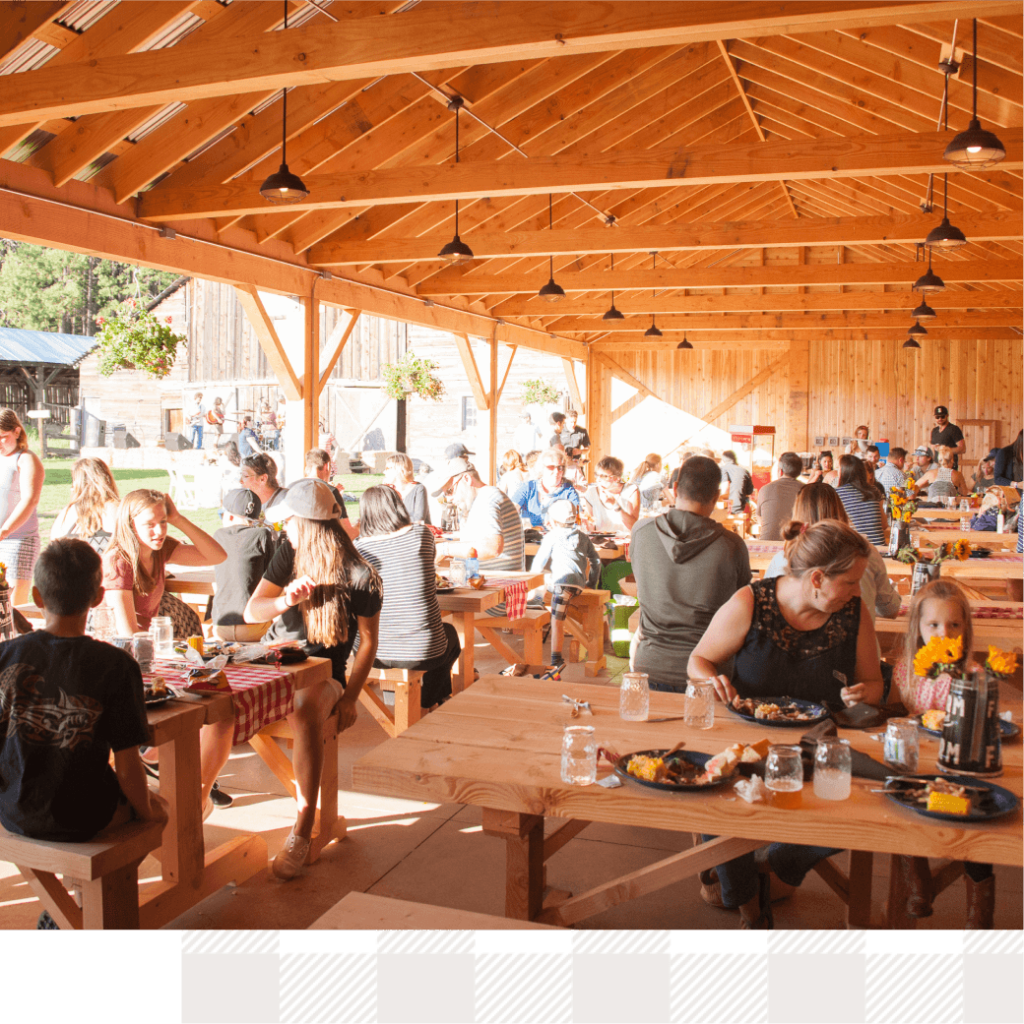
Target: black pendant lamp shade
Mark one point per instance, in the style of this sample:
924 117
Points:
613 313
911 343
551 292
945 236
684 344
924 312
975 149
282 186
917 331
929 282
456 251
652 331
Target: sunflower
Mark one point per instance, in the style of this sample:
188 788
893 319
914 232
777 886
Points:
961 550
937 655
1002 663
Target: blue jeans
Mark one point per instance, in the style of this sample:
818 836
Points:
196 435
790 862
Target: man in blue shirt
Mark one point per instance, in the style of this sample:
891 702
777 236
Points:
535 497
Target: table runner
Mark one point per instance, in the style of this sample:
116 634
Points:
261 694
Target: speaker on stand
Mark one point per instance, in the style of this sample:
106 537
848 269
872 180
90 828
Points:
175 442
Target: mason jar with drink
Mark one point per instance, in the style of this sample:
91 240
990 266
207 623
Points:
784 776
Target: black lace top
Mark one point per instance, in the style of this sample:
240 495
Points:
778 660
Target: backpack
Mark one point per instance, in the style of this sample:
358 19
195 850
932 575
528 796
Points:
748 485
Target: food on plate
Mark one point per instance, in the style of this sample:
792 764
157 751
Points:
723 763
755 751
949 803
442 582
643 767
933 720
157 689
769 711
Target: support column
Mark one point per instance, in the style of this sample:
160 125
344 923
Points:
492 412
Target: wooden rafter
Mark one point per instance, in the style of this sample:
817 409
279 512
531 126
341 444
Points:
269 341
480 393
336 343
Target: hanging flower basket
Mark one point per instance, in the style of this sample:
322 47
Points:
137 340
412 376
538 392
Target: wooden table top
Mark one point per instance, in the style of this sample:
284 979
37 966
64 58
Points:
972 568
466 599
498 745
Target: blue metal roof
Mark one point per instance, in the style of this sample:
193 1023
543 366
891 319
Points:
42 347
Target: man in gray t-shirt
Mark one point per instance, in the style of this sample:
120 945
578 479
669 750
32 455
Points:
775 500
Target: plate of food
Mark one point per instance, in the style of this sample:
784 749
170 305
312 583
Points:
444 585
931 722
778 711
157 692
954 798
686 770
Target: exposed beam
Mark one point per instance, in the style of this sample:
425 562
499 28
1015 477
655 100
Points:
508 366
623 374
37 212
454 283
992 225
574 387
741 392
714 342
780 159
278 359
480 393
19 21
429 37
745 302
336 343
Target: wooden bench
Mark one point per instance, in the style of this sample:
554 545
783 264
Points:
530 626
329 825
360 910
406 684
107 868
584 622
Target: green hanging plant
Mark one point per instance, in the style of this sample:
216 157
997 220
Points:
538 392
135 339
412 376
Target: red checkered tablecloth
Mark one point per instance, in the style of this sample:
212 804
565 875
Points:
262 694
515 595
987 611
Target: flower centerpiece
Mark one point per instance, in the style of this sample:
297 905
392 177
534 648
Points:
940 654
1001 663
902 507
412 376
135 339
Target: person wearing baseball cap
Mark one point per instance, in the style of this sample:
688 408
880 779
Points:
922 462
457 451
322 594
948 435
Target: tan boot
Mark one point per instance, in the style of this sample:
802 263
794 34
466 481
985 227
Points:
981 902
916 878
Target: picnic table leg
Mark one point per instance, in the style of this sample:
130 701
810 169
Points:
462 676
858 910
113 900
524 860
182 855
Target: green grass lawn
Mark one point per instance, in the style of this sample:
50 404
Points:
57 490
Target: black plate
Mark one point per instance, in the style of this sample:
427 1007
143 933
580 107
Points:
152 702
1001 801
693 756
446 590
1007 730
805 705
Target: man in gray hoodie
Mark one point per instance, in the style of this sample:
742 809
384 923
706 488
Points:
686 566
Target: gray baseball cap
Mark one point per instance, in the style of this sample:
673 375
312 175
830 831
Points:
308 498
242 502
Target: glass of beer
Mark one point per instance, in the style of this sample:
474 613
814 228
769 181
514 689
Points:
784 776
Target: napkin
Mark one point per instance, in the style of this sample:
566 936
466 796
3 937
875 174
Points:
864 767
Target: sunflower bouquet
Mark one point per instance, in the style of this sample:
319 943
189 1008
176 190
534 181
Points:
959 550
1001 663
938 655
902 505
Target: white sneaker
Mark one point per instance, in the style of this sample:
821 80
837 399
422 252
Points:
290 861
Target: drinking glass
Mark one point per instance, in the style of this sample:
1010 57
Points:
634 697
142 650
950 501
457 572
965 524
101 623
965 505
700 704
900 748
833 767
162 629
579 755
784 776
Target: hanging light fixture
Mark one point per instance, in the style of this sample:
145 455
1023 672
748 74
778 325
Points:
911 343
917 331
551 292
945 236
684 344
929 282
282 186
456 251
975 149
924 312
652 331
613 313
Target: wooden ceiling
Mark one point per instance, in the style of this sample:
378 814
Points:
780 159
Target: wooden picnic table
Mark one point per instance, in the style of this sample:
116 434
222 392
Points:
612 554
976 538
998 631
497 746
189 873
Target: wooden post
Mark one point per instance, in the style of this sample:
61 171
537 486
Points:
598 420
310 379
492 411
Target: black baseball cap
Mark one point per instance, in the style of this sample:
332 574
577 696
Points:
242 502
941 410
457 451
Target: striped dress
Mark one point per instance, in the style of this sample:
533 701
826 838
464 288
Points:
865 513
410 619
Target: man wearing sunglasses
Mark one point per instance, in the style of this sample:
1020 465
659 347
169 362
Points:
948 434
535 497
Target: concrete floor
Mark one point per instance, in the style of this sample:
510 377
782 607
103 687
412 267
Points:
436 854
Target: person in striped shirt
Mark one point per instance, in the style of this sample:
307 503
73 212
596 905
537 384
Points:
861 500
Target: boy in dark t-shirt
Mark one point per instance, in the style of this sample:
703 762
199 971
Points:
250 549
66 702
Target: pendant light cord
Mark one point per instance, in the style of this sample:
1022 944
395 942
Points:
457 161
974 94
284 105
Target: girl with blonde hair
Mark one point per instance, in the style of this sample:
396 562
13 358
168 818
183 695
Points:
92 512
21 484
943 481
513 471
398 474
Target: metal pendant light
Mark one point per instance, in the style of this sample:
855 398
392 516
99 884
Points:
917 331
684 344
975 149
924 312
551 292
282 186
945 236
929 282
456 251
911 343
652 331
613 313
